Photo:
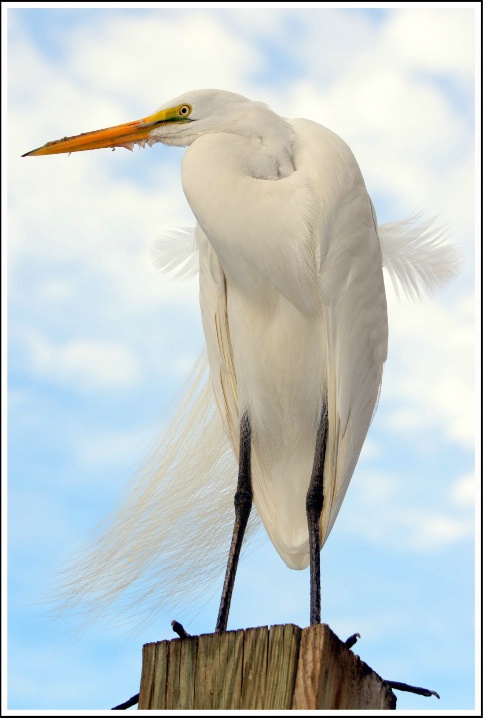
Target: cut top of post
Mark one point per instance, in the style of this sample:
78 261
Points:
280 668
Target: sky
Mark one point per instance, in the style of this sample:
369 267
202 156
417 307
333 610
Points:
99 342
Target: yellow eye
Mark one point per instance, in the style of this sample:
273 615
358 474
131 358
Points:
184 110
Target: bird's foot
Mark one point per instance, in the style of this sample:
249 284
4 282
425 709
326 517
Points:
352 640
178 628
127 704
411 689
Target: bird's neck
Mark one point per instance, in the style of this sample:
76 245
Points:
268 141
278 154
264 152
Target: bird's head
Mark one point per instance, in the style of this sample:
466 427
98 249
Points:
178 122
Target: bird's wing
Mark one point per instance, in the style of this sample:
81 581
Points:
356 334
327 263
353 304
217 335
417 259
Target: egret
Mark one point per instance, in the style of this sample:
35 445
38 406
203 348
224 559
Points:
294 314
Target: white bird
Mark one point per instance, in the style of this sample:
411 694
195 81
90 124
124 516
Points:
294 314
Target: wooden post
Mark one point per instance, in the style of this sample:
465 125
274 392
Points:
261 669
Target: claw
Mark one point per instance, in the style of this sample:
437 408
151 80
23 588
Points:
127 704
352 640
178 628
412 689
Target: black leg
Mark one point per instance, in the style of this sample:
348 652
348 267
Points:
313 503
243 505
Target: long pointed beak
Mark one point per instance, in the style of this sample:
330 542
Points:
118 136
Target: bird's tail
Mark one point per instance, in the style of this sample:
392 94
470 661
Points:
417 256
163 547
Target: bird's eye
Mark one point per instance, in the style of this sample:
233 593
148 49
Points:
184 110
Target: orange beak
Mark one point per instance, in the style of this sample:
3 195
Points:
118 136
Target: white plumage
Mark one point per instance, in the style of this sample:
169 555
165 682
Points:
294 313
293 308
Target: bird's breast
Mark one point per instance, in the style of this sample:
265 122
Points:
260 229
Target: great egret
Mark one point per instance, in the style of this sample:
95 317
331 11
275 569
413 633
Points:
294 313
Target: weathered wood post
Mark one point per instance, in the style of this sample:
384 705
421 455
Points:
279 668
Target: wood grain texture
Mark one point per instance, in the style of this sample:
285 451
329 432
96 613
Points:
283 657
154 674
279 668
331 676
255 655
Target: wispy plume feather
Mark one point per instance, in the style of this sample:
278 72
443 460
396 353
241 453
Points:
175 252
417 256
164 546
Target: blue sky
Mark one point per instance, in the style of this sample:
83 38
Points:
99 342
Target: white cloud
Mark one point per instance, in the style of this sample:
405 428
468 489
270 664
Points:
405 134
415 524
55 290
151 58
370 449
116 449
429 531
428 382
462 493
331 43
83 364
435 39
410 136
